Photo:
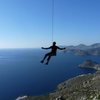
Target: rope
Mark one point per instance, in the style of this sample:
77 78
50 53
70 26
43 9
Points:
52 20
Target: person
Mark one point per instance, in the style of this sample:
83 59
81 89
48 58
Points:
52 53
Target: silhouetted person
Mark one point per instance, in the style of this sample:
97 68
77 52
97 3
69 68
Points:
52 53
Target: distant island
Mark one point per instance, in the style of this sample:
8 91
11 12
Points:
82 49
90 64
82 87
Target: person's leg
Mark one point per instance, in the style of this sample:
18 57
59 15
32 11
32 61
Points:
48 59
45 57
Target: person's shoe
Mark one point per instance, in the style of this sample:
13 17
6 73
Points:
46 63
42 61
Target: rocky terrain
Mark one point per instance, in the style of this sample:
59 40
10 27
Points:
82 87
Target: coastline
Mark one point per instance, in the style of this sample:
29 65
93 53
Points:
85 86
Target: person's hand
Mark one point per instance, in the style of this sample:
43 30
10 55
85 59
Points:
42 47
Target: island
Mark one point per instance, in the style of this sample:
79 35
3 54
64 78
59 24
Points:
90 64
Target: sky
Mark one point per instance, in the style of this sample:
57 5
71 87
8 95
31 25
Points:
28 23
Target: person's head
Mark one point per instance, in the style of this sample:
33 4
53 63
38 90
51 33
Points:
54 43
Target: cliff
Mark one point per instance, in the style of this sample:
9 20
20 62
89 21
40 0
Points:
82 87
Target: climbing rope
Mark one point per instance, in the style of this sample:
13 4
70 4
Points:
52 20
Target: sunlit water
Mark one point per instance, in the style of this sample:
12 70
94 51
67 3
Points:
21 72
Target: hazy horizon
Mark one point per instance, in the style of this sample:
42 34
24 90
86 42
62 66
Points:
46 46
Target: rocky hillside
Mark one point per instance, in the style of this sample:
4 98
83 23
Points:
82 87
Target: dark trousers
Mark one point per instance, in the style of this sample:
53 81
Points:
48 56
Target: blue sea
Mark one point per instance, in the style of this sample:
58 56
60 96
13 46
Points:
21 72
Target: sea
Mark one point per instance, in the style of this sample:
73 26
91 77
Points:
21 72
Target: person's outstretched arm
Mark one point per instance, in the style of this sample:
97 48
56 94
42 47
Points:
61 48
45 48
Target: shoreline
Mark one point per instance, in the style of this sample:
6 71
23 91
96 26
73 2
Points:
77 87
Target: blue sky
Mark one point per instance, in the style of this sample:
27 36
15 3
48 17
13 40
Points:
28 23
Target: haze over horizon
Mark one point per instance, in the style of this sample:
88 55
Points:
27 23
